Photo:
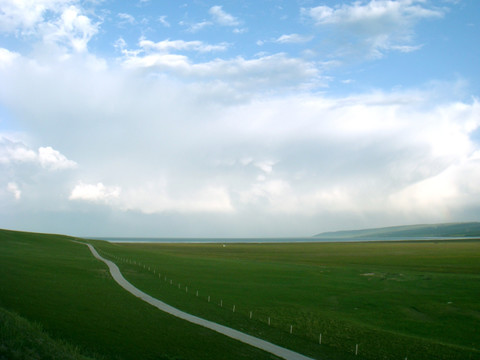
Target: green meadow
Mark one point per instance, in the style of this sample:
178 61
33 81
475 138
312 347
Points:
22 339
395 300
53 282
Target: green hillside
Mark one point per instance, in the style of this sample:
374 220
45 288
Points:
52 281
468 229
21 340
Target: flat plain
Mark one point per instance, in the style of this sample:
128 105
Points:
386 300
416 300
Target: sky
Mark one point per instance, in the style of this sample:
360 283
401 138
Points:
253 118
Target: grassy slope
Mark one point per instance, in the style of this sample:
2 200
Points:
413 299
57 283
410 231
23 340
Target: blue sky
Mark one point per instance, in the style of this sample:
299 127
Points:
252 118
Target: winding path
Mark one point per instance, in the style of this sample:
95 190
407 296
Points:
232 333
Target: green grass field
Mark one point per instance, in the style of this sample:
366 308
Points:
404 299
22 340
418 300
52 281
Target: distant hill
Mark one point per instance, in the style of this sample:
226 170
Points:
468 229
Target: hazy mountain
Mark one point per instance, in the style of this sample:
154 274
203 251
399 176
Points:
467 229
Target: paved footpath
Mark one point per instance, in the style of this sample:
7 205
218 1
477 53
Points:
234 334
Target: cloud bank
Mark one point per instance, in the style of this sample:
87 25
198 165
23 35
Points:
176 137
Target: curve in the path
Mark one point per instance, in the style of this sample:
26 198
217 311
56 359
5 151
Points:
232 333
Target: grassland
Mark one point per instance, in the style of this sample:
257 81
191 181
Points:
404 299
22 340
52 281
395 300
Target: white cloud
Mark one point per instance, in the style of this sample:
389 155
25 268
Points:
223 18
163 20
155 198
246 161
240 30
228 140
454 188
265 73
355 155
196 26
166 46
293 39
376 26
276 196
24 16
15 152
52 159
72 29
7 57
219 16
265 166
120 44
177 63
58 22
406 48
15 190
401 12
126 18
97 193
